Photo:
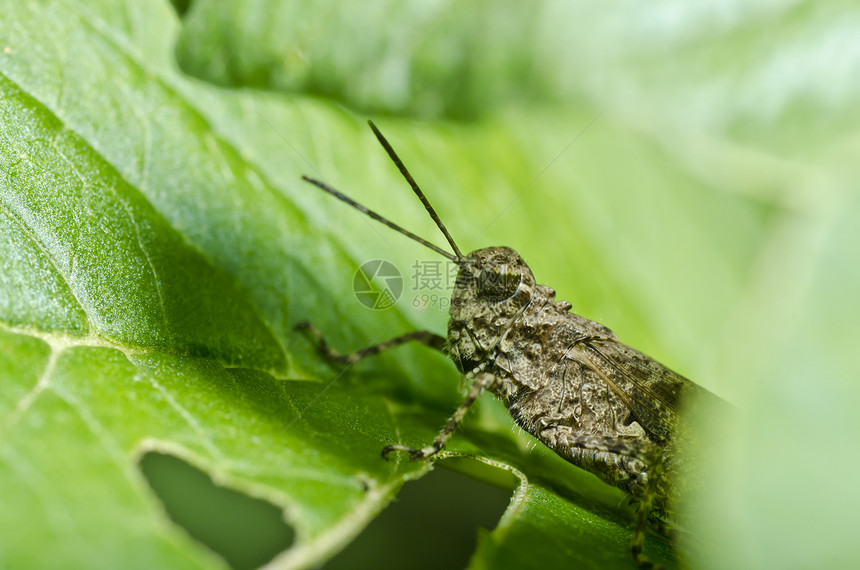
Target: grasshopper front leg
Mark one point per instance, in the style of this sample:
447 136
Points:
481 382
424 337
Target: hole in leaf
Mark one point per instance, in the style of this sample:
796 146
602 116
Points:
435 520
247 532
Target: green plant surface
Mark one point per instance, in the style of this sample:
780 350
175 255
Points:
686 177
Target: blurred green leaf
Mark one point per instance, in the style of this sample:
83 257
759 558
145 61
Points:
684 174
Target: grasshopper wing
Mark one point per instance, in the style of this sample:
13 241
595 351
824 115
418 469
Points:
654 393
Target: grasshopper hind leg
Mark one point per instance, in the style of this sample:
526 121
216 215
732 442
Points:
585 450
646 503
639 535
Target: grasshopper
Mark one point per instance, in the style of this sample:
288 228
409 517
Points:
600 404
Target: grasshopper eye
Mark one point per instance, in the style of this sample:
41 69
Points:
498 282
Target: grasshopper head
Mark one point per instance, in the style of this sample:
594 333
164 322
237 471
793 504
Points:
493 287
493 276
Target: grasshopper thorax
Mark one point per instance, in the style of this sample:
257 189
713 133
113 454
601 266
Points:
494 286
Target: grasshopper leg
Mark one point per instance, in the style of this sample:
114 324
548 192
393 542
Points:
424 337
478 385
566 442
645 504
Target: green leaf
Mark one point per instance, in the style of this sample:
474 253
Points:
685 177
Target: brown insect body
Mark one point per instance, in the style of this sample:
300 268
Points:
567 380
598 403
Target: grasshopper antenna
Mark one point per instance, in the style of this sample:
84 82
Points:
378 218
415 188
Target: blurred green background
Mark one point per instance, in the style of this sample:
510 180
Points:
684 173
